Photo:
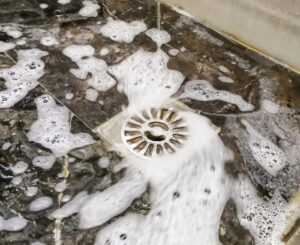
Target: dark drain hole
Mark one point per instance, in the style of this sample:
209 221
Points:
152 137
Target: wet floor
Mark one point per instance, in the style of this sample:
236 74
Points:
253 103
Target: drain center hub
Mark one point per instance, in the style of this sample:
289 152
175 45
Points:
154 132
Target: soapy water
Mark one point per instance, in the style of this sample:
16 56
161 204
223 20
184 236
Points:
22 77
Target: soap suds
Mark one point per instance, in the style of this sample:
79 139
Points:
6 46
224 69
19 168
104 51
173 51
145 74
91 94
52 129
49 41
264 219
43 5
22 77
103 162
160 37
6 145
11 31
69 96
202 90
97 68
37 243
270 106
265 152
40 203
90 9
61 186
16 223
31 191
63 2
16 180
44 162
121 31
225 79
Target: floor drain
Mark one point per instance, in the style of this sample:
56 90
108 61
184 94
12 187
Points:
154 132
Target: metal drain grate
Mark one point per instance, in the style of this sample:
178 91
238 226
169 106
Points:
154 132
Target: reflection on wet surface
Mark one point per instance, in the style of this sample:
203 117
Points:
63 182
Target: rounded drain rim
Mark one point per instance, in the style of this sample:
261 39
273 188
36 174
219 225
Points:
154 132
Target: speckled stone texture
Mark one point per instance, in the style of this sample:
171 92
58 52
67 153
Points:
204 51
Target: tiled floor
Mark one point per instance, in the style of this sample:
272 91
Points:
201 54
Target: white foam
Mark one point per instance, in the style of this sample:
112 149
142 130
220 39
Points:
182 49
121 31
69 96
52 129
6 46
103 162
31 191
43 5
61 186
6 145
225 79
269 106
188 193
16 223
63 2
266 153
44 162
40 203
16 180
97 68
145 79
91 94
21 42
202 90
37 243
90 9
264 219
104 51
19 168
22 77
173 51
49 41
160 37
224 69
66 198
11 31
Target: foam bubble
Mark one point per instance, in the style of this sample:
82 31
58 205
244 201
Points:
225 79
63 2
121 31
6 145
40 203
44 162
97 68
52 129
173 51
49 41
16 180
202 90
160 37
269 106
19 168
66 198
145 74
104 51
224 69
43 5
103 162
16 223
61 186
22 77
11 31
69 96
265 152
91 94
6 46
90 9
31 191
37 243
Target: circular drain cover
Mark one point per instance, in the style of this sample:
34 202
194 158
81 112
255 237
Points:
154 132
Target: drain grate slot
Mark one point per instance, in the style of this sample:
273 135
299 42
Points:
154 132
